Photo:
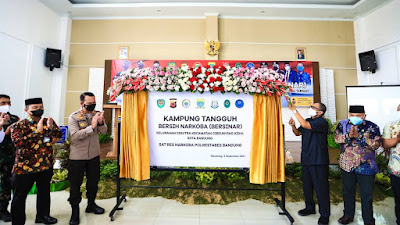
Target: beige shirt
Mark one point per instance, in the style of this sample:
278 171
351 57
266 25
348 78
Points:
84 139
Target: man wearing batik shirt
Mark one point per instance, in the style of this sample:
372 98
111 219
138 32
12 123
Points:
391 141
33 138
6 157
358 139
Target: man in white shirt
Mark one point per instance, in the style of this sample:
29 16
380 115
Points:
391 141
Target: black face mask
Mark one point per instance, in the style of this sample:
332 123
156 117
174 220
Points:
37 113
90 108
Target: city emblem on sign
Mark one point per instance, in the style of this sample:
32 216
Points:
227 103
214 104
200 103
172 102
186 103
239 103
160 103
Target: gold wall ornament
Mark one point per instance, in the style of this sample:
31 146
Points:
212 47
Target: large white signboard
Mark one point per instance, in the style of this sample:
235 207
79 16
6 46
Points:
200 130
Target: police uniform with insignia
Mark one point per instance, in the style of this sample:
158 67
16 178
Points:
84 156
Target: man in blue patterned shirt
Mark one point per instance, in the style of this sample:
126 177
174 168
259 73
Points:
358 139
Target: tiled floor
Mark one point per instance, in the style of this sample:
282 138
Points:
160 211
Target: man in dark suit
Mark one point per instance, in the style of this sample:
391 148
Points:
314 159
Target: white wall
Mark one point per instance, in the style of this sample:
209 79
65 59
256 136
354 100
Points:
380 31
27 28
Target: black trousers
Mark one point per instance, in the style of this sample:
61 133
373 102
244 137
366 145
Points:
395 180
22 184
315 177
366 187
76 172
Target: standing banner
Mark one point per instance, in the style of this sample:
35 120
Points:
200 130
299 75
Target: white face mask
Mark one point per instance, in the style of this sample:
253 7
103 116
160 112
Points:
398 115
4 108
312 112
287 67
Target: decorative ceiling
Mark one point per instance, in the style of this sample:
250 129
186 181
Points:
346 10
318 2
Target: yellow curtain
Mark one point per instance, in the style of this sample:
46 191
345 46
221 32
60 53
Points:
267 162
135 151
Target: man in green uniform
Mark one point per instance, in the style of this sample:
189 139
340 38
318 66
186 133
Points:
6 158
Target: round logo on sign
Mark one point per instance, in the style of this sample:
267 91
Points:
186 103
239 103
227 103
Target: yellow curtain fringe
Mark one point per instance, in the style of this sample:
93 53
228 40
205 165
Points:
267 162
135 151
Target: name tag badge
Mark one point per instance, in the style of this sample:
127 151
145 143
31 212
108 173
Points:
46 139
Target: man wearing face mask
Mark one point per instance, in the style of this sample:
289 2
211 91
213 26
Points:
314 159
290 75
303 76
84 126
7 156
391 142
358 139
33 138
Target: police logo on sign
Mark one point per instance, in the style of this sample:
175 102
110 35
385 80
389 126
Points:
172 102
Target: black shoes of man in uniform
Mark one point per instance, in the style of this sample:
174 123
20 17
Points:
91 208
46 220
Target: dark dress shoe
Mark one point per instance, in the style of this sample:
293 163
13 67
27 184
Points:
323 220
345 220
93 208
5 216
46 220
74 221
306 212
75 216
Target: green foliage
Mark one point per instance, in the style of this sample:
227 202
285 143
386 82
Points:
331 142
208 177
382 162
232 176
108 169
184 175
205 177
103 138
335 174
61 151
382 179
293 170
159 174
59 175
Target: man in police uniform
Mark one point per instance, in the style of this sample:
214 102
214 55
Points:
6 157
84 126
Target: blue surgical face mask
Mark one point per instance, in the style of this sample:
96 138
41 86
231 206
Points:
300 68
355 120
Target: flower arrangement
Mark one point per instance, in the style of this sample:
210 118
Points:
200 79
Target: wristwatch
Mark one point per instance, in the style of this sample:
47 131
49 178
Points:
294 111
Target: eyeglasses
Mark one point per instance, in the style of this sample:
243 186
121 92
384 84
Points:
313 107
